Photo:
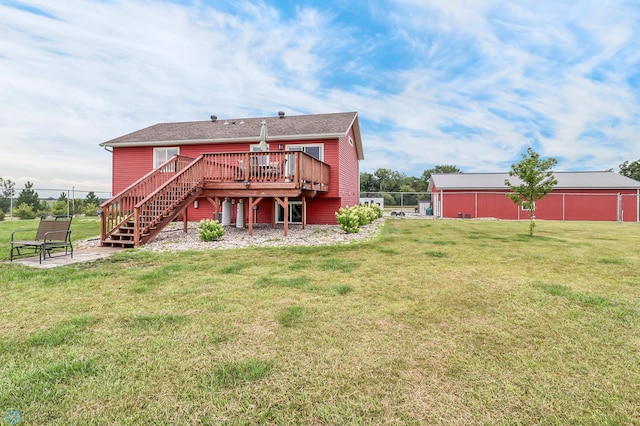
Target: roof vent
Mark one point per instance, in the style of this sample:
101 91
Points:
214 118
281 114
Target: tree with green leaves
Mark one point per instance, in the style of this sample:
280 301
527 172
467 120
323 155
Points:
7 191
92 198
29 197
631 169
536 180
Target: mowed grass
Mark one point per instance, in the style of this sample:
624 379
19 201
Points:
434 322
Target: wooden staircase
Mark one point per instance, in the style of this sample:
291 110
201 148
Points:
132 217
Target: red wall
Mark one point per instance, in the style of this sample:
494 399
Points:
349 172
596 205
131 163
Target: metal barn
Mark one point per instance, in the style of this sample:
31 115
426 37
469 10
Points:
597 196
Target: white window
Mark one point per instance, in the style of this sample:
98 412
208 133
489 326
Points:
161 155
527 206
314 150
295 212
350 141
259 160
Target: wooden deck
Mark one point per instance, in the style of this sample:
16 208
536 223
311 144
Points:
137 214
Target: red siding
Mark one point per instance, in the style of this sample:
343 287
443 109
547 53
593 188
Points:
596 205
129 165
349 172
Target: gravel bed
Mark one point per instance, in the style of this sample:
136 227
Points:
172 238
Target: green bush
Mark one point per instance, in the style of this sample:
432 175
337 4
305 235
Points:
351 219
24 211
210 230
1 215
90 210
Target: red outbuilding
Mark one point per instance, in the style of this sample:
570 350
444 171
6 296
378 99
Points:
598 196
242 171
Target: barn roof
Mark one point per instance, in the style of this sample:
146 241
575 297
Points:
280 128
566 180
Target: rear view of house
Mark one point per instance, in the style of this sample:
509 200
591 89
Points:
308 169
599 196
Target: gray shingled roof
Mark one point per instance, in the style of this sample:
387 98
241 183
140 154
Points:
295 127
566 180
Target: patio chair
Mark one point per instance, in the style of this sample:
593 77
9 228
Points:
53 234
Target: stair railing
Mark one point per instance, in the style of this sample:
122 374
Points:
119 209
161 204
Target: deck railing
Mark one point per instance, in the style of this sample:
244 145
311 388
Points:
267 167
163 201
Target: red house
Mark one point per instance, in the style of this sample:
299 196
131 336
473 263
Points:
599 196
301 169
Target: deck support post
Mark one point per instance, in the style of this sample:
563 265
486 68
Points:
216 207
285 205
185 220
304 211
252 204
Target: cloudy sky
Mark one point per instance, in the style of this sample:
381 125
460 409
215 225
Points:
466 82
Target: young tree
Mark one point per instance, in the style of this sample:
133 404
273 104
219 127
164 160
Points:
92 199
630 169
536 181
29 197
7 190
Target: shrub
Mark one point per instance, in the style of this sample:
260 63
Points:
24 211
210 230
352 218
349 219
90 210
1 215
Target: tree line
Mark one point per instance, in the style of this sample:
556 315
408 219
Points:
396 187
29 206
384 181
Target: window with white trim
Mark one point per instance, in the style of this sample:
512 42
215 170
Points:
528 206
161 155
314 150
350 141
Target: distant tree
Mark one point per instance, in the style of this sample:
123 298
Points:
536 181
367 183
7 191
59 207
29 197
441 168
631 169
90 209
63 197
388 180
93 199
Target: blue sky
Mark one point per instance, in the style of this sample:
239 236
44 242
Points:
465 82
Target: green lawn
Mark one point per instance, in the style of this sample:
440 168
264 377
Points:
435 322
